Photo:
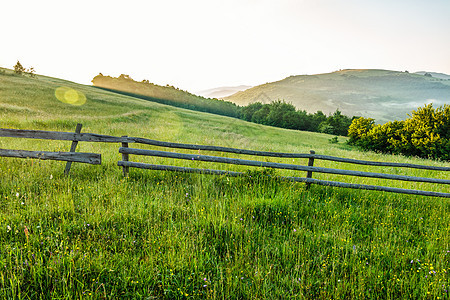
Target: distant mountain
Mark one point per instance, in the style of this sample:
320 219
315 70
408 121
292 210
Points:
222 92
380 94
434 75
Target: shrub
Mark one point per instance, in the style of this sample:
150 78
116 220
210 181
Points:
425 134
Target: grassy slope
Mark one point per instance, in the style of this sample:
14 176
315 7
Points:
165 95
95 234
380 94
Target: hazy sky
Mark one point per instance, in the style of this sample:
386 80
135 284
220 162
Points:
200 44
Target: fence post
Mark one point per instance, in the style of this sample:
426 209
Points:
125 157
72 149
310 164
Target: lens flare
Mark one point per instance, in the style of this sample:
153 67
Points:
70 96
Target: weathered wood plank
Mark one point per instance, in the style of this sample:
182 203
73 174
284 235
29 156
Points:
177 169
87 158
379 163
73 147
368 187
125 157
296 179
283 155
237 161
62 136
310 164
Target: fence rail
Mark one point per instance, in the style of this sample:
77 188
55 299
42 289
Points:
60 136
69 157
296 179
87 158
93 158
126 164
280 154
254 163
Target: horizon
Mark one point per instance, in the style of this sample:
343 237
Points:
203 45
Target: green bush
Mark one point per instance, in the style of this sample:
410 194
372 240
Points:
425 134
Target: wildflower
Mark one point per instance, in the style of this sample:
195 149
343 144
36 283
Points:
17 195
8 228
51 176
295 230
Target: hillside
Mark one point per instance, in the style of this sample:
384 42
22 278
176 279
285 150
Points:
380 94
164 94
161 235
31 103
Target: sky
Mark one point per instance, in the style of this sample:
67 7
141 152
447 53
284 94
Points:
201 44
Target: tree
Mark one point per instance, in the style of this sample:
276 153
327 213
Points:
18 68
260 116
277 110
337 124
249 110
359 130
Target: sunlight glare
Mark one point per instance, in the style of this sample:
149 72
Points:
70 96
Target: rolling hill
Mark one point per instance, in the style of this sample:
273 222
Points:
146 90
380 94
159 235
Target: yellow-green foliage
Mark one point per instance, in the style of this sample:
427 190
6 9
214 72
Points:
425 134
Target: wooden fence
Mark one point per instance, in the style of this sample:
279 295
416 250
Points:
69 157
125 163
126 151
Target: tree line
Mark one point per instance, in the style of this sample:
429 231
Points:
282 114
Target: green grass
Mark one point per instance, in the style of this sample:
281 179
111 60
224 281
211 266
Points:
95 234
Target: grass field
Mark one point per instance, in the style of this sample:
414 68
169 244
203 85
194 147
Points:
95 234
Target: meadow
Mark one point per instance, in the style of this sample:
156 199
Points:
160 235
